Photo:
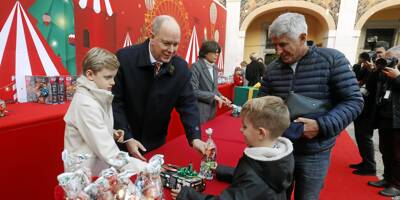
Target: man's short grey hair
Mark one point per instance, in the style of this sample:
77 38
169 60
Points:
159 20
290 24
395 51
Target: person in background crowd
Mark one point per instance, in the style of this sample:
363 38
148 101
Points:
386 79
238 77
363 125
205 81
89 119
254 70
265 170
150 83
319 73
243 66
261 60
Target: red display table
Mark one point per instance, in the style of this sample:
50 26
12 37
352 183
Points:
31 142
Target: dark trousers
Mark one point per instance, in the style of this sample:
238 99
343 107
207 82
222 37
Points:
364 131
389 146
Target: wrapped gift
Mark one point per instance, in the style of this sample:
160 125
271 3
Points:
175 177
3 110
244 93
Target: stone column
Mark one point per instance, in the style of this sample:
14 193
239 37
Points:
234 39
346 37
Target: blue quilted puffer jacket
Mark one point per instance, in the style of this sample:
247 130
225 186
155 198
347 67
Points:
322 74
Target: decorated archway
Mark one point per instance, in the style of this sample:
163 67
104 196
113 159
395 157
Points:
368 12
311 8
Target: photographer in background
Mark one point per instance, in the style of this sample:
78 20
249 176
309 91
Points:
387 79
363 125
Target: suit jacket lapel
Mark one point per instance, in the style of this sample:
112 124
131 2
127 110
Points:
206 72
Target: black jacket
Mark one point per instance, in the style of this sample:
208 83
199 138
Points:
252 179
254 72
322 74
143 101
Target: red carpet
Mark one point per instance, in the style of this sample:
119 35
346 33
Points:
341 183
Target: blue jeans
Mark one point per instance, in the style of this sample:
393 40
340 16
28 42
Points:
309 175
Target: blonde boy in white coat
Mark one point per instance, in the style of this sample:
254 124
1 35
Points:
89 119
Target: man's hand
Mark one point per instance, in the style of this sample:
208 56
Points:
199 145
368 65
311 128
391 73
133 148
175 192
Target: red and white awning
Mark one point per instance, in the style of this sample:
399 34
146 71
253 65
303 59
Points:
221 62
128 41
24 51
193 49
97 5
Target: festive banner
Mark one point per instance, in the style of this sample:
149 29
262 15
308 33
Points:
50 37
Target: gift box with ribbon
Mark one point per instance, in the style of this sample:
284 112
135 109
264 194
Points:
244 93
175 177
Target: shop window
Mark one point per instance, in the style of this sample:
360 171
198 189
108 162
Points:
380 34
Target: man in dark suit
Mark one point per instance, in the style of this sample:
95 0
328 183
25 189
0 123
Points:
150 83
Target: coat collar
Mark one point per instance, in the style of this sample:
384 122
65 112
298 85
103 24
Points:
88 87
144 56
205 70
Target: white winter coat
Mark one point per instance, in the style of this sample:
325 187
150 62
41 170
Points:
89 128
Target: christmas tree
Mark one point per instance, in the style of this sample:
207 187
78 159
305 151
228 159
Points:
56 23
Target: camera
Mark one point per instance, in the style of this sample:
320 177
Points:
381 63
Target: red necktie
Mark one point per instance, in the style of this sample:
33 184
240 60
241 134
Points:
157 67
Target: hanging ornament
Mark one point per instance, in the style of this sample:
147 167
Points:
213 13
216 35
71 39
149 4
46 19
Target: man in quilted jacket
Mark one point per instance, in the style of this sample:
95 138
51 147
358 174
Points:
322 74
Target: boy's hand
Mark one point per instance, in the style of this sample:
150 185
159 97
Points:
133 148
199 145
119 135
175 192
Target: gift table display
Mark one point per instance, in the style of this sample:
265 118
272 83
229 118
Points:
243 93
111 184
50 89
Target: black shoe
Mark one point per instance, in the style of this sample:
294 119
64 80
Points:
380 184
364 172
390 192
356 166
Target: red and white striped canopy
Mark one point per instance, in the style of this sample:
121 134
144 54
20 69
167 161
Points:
193 49
128 41
24 51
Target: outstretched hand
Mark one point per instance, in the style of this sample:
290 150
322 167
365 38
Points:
133 148
199 145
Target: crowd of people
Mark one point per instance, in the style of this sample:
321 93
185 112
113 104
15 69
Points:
124 103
